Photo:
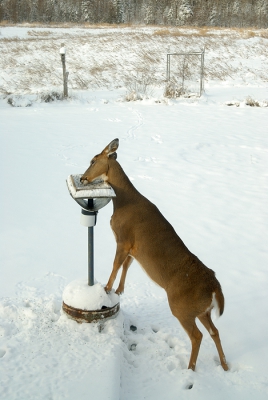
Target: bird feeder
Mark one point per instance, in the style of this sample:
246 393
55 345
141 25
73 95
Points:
91 198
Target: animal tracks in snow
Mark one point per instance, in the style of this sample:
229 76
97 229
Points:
147 159
113 120
157 139
131 131
150 348
2 353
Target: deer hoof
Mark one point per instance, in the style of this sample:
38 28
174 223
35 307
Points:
107 289
225 367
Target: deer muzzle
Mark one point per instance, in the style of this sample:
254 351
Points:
84 180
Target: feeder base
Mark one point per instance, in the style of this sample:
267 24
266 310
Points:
90 315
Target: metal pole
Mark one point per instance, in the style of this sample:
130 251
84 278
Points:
183 73
203 65
202 72
91 255
168 64
91 244
167 77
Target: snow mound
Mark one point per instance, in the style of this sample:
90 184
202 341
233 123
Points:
78 294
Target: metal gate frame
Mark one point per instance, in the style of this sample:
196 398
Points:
202 59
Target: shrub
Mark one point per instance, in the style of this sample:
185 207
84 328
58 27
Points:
51 96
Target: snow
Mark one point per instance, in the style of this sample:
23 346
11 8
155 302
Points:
79 294
204 164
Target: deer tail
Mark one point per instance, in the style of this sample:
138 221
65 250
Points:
218 301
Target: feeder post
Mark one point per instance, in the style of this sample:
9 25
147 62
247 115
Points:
90 256
89 219
90 198
65 73
91 246
93 215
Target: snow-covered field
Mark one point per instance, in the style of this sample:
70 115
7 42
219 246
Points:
203 163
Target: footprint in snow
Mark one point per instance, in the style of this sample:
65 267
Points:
147 159
132 347
113 120
133 328
157 139
189 386
2 353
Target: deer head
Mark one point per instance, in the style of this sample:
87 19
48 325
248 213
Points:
99 165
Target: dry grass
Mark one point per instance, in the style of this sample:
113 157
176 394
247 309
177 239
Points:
204 31
39 33
5 23
139 84
245 33
67 25
173 90
251 102
49 97
133 58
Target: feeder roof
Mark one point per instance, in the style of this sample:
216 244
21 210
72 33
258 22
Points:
93 190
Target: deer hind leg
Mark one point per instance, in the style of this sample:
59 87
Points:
189 325
205 319
196 337
120 257
125 267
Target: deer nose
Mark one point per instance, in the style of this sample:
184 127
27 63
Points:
83 180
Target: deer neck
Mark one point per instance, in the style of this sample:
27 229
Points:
123 188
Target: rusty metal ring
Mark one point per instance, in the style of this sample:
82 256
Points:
90 315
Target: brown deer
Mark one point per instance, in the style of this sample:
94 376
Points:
143 233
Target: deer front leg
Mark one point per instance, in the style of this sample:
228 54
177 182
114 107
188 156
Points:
125 268
120 256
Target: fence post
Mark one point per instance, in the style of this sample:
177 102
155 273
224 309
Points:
65 74
168 64
183 72
202 72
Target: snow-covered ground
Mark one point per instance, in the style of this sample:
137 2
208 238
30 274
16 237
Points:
204 164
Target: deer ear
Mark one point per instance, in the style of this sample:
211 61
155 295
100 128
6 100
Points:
112 147
113 156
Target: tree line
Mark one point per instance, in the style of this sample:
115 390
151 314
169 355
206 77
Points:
223 13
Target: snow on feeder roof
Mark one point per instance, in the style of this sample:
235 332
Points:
98 189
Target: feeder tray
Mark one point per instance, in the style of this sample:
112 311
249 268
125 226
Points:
99 191
91 315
